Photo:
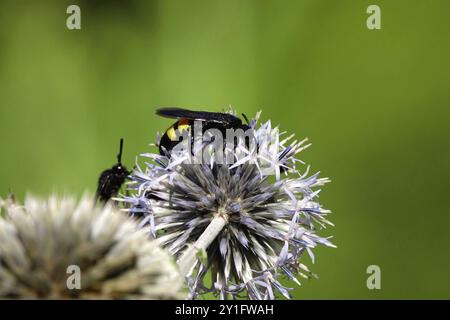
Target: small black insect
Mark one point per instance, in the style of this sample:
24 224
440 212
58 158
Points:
112 179
211 120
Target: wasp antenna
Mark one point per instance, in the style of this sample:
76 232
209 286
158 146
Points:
245 117
119 156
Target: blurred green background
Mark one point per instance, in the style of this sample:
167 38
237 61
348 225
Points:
374 103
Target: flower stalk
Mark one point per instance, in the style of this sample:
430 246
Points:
188 259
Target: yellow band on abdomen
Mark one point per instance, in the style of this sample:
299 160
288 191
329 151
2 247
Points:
171 132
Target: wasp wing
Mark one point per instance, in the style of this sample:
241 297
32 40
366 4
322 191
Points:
197 115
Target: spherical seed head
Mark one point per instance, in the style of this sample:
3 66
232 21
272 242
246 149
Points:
270 209
46 244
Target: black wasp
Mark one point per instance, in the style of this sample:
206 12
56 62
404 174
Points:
186 118
112 179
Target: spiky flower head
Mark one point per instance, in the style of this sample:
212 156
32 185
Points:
57 248
261 210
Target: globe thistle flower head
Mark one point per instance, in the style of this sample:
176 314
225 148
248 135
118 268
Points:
44 242
261 211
